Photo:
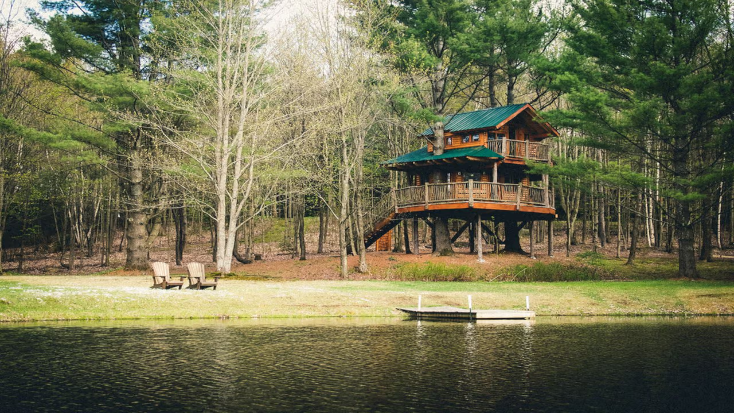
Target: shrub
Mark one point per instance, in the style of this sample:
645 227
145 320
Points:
591 257
430 271
541 272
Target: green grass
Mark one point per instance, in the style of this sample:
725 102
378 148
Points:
28 298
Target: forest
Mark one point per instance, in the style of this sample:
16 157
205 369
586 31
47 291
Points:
131 121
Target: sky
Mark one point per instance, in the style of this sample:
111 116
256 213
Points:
278 15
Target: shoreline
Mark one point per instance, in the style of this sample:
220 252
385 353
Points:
25 299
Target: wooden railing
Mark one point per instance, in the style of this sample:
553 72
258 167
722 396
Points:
512 148
473 191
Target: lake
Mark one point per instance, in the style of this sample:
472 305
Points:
370 365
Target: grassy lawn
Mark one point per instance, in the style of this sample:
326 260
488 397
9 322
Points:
25 298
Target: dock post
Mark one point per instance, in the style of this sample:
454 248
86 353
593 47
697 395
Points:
527 302
419 302
470 307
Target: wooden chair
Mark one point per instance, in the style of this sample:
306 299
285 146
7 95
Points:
162 278
197 277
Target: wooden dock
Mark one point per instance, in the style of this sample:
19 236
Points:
465 314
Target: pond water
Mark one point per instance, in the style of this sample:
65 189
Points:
565 364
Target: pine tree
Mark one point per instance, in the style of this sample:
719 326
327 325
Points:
98 52
653 73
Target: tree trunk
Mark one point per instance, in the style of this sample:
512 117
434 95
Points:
323 226
512 237
684 223
302 228
442 242
406 236
602 226
179 221
635 224
137 253
344 209
705 253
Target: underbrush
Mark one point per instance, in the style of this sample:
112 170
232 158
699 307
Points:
431 271
239 276
554 272
538 272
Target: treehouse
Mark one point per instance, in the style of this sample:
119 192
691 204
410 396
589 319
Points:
474 167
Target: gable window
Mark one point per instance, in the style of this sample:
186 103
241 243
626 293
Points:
475 137
465 139
448 141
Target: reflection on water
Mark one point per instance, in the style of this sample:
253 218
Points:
624 365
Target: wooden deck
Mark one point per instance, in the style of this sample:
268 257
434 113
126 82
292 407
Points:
465 314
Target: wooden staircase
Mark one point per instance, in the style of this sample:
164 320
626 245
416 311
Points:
380 219
381 228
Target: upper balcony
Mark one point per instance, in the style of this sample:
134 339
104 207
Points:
511 148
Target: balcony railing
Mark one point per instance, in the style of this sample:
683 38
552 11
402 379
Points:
446 193
511 148
471 192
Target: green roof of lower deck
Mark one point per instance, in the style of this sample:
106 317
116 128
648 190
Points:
422 154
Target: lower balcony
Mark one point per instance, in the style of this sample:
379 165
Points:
477 195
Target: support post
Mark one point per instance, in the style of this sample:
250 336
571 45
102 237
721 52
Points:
394 197
471 193
416 251
532 240
546 193
550 238
519 193
494 172
426 194
527 145
478 238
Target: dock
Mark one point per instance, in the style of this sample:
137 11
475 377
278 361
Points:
466 314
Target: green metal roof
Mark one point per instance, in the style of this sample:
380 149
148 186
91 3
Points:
479 119
422 154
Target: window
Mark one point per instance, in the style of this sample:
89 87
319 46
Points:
500 136
465 139
448 141
475 137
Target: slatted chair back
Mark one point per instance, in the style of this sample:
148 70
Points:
196 269
160 269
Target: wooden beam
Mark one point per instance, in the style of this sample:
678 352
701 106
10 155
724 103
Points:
460 231
428 222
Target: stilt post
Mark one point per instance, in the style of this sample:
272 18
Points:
478 238
416 251
532 240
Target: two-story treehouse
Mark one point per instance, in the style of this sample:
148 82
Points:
473 168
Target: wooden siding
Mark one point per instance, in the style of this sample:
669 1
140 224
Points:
385 242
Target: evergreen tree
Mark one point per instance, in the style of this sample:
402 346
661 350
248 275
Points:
98 52
654 78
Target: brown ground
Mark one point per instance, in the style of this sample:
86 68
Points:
279 264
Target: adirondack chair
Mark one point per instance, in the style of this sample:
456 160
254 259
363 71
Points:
162 278
197 277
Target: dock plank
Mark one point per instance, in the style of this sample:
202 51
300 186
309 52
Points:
464 313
